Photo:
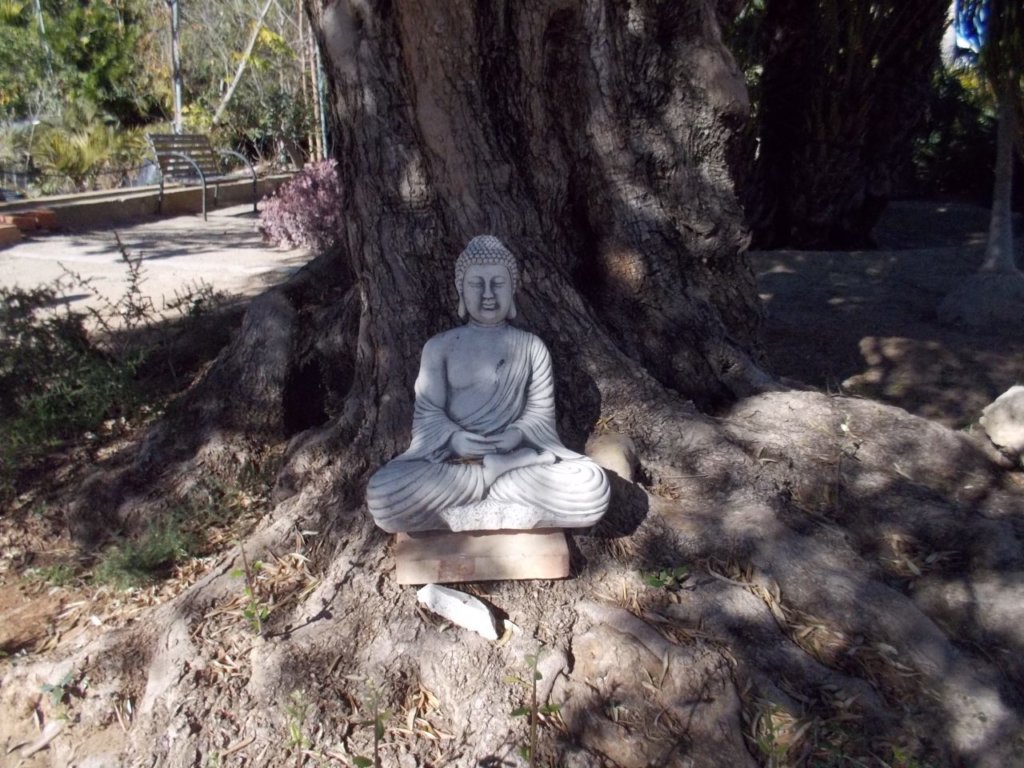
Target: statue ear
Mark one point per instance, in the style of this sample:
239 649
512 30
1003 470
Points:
512 310
462 308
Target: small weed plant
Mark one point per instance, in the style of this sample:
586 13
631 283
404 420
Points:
58 692
531 709
256 611
379 721
667 578
131 563
307 210
296 711
63 691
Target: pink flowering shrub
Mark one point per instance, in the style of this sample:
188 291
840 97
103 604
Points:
306 210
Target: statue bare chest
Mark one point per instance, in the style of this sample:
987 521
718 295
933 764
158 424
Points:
478 363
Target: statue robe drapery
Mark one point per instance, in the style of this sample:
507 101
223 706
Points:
409 492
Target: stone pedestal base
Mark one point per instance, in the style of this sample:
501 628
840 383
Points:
445 557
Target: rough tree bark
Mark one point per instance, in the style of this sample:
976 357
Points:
596 138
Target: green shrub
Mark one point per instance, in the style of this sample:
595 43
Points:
57 575
54 383
130 563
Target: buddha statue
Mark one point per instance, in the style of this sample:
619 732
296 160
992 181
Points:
485 454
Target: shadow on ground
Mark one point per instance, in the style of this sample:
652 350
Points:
864 322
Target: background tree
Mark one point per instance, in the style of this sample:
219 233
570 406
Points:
98 46
994 299
244 67
996 27
110 61
842 88
75 81
23 61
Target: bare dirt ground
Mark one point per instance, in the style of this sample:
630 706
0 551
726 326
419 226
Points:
864 322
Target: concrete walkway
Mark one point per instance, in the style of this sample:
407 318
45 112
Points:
227 252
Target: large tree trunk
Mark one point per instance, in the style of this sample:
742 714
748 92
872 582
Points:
843 87
593 138
596 139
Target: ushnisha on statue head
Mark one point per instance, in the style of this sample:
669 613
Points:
486 277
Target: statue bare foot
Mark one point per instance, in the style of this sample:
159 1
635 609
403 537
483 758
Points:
497 464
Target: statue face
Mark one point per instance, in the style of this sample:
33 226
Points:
487 293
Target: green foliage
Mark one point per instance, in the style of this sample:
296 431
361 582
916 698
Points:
532 709
131 563
55 382
955 155
78 51
97 46
265 116
60 690
256 611
744 36
86 150
25 62
379 721
667 578
57 575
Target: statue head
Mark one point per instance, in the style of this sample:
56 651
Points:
486 277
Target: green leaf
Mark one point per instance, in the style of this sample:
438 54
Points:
550 709
362 762
538 676
520 712
378 725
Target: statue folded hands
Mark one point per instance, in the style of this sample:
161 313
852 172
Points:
485 453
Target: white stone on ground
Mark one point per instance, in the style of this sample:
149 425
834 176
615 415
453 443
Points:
1003 420
459 608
